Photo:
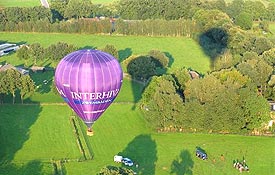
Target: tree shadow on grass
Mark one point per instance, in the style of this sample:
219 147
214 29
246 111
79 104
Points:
183 164
171 59
214 43
15 123
33 167
123 54
43 81
143 151
87 47
3 41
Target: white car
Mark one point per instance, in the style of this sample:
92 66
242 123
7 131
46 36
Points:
127 162
118 158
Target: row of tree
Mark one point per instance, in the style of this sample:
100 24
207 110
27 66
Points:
178 9
164 18
12 82
124 27
138 10
37 53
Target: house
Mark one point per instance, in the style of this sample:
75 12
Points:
38 69
194 74
9 66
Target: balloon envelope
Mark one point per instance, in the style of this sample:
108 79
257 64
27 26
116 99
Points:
89 81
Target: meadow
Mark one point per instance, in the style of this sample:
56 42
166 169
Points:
19 3
182 51
39 132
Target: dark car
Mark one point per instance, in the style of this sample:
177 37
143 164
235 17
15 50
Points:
200 154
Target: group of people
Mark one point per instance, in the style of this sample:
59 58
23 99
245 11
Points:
240 165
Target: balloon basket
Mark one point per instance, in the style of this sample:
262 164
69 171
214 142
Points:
90 133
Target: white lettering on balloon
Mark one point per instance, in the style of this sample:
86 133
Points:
94 95
90 98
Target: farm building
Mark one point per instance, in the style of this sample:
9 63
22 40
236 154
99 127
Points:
7 48
9 66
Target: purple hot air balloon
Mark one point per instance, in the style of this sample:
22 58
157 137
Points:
89 81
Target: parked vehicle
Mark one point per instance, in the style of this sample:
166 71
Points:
201 154
118 159
127 162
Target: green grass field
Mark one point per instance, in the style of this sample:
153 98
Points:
183 51
38 134
19 3
32 135
272 28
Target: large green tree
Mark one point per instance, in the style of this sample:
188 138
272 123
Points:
13 82
257 9
203 89
256 109
234 8
23 53
37 52
269 56
160 59
161 104
258 71
244 20
181 76
27 87
209 19
78 9
3 86
224 113
141 68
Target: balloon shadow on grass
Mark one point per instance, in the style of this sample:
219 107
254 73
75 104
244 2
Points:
143 152
15 124
183 164
214 43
